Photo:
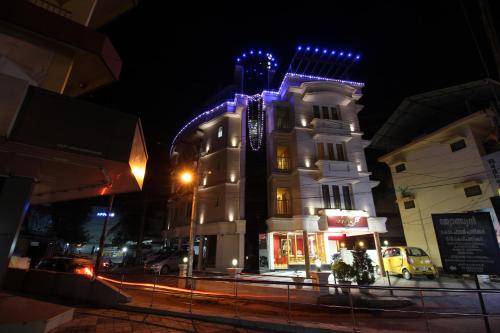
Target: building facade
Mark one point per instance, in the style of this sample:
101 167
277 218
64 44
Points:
282 176
451 170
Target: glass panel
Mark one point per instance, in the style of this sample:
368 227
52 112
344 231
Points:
347 197
336 197
321 151
326 196
340 152
283 201
282 157
331 155
316 111
326 113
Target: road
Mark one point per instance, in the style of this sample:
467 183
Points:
161 293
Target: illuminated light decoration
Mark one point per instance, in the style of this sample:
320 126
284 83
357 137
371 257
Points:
185 260
325 51
341 212
232 177
251 51
316 50
316 78
386 242
303 122
308 48
333 52
260 52
255 121
244 55
360 167
307 163
234 262
357 57
238 59
231 217
352 127
341 54
349 55
299 48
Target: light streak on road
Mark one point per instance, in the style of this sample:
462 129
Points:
187 291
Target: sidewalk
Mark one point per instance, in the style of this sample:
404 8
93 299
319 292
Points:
93 320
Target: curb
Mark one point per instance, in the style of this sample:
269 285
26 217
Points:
246 323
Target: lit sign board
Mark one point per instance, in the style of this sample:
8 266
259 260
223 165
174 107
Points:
338 218
467 243
104 214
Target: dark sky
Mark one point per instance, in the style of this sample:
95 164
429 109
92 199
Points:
175 58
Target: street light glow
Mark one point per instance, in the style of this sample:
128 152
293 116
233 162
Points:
186 177
361 243
124 249
386 242
185 260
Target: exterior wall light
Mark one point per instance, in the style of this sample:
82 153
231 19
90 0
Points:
124 249
185 260
342 244
231 217
307 163
234 142
361 244
386 242
234 262
232 177
303 122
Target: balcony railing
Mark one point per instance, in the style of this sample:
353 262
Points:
283 207
283 163
331 126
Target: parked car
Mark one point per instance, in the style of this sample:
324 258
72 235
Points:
408 261
75 265
163 264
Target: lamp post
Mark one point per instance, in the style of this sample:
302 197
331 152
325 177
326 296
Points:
188 177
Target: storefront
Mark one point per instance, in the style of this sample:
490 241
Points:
286 249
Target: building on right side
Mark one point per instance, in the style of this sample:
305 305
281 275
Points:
451 169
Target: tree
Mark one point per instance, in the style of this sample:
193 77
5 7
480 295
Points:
362 265
68 219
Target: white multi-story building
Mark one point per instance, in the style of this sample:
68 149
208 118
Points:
282 176
451 170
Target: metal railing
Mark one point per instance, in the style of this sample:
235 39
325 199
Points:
283 207
345 307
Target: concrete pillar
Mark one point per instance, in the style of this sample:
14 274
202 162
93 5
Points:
305 241
379 253
241 250
199 265
15 194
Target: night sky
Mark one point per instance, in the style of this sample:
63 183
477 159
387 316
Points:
175 58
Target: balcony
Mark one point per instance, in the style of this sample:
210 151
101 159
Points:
331 127
283 207
283 164
337 169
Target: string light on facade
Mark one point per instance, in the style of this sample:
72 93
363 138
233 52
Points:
255 121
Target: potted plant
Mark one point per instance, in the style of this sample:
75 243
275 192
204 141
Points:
363 268
344 274
298 279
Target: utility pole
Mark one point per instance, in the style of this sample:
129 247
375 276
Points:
192 221
103 233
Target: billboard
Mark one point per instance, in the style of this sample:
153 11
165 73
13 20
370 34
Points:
467 243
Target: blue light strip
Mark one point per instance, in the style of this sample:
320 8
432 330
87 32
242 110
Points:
264 92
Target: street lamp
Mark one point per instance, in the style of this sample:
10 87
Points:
189 177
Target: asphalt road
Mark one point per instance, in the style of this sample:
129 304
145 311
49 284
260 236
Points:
367 320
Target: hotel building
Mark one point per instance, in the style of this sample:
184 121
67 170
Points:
282 173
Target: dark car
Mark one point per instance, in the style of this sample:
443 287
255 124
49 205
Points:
75 265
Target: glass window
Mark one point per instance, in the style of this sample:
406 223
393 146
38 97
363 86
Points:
282 157
409 204
316 111
400 167
283 202
321 151
472 191
415 252
395 252
335 113
457 145
336 197
340 152
331 155
282 118
219 132
326 196
325 112
346 191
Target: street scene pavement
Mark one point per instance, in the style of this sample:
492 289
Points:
92 320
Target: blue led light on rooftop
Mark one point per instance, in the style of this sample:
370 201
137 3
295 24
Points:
357 57
308 48
244 55
251 51
299 48
349 54
324 51
260 52
333 52
341 54
238 59
316 50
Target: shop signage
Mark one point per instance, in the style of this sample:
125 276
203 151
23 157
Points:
347 221
467 243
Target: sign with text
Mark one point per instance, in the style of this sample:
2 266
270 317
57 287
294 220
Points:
467 243
347 222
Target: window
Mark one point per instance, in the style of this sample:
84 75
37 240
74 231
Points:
340 152
336 197
472 191
457 145
282 118
282 158
400 167
326 196
415 252
325 112
283 202
331 156
316 111
335 113
321 151
219 132
409 204
346 191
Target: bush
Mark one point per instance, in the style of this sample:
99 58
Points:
342 271
362 266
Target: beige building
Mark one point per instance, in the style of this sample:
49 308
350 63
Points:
451 170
